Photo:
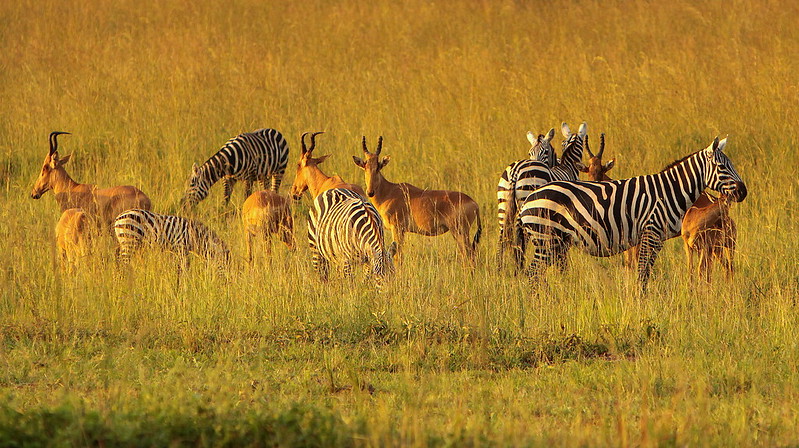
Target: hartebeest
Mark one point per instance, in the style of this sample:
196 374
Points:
73 235
266 213
406 208
105 203
309 177
708 230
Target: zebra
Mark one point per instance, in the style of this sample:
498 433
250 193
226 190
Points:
605 218
522 177
136 227
252 156
344 228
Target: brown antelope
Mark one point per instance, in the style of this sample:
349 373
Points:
105 203
267 213
406 208
708 230
309 177
72 235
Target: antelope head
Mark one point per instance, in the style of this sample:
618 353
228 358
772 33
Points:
596 170
52 166
306 167
371 165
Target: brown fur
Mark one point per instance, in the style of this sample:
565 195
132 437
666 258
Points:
708 230
309 177
406 208
106 203
266 213
73 235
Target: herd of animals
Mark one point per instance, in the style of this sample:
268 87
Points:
541 203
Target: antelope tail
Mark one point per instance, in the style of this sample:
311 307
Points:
479 232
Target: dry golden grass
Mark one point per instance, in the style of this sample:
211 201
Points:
148 88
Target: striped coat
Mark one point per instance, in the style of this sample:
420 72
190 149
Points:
344 229
523 177
254 156
136 228
605 218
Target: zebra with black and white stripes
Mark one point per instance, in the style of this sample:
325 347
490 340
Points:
524 176
136 228
606 218
260 155
344 229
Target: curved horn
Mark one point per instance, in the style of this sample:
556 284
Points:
588 148
379 145
365 151
601 144
313 140
54 141
304 148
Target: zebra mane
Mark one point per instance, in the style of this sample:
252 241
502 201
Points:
678 161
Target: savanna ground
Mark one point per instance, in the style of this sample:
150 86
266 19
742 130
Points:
444 356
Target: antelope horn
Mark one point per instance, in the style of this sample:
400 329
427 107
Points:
54 141
365 150
588 148
313 140
379 145
601 144
304 148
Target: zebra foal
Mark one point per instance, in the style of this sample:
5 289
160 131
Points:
136 228
253 156
605 218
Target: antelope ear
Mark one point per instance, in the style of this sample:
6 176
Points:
609 165
581 167
385 161
722 144
531 138
63 160
564 129
322 159
358 161
550 135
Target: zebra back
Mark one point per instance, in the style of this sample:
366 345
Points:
344 229
251 156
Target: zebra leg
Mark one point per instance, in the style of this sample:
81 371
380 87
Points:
229 182
347 269
542 259
277 178
321 265
651 244
519 247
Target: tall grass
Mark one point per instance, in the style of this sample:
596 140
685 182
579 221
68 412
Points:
148 88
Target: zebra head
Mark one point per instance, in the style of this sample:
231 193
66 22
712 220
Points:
542 148
306 166
720 174
197 187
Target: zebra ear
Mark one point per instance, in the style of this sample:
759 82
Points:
722 144
712 148
583 131
358 161
550 135
564 129
195 169
531 138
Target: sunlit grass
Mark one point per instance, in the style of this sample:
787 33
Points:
444 355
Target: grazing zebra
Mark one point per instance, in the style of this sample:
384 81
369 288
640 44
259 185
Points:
252 156
524 176
343 228
605 218
134 228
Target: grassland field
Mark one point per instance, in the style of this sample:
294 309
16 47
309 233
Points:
444 356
